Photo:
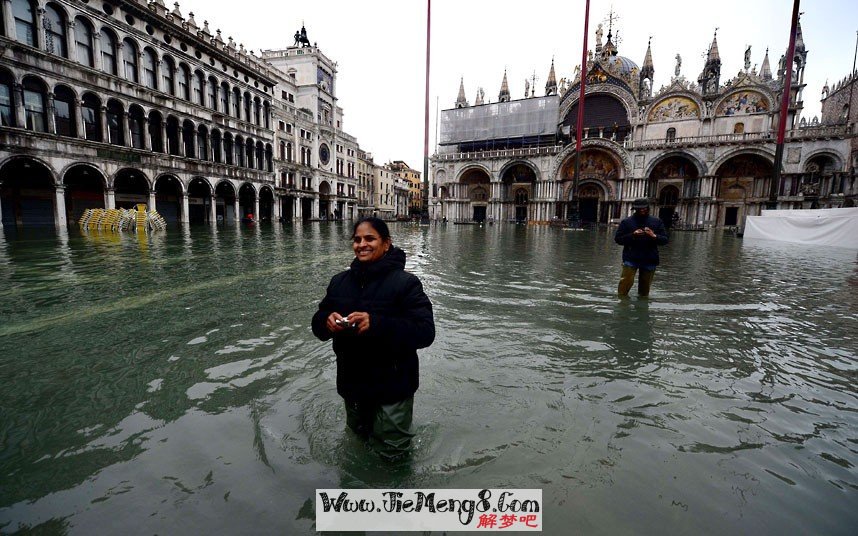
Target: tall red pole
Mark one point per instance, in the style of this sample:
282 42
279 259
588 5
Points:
785 100
425 209
580 125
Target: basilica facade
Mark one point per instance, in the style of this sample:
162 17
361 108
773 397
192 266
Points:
117 103
701 151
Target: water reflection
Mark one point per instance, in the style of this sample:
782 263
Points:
170 383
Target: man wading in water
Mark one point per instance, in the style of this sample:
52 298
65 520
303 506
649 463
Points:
640 235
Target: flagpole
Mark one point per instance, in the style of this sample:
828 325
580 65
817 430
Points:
785 101
575 219
425 208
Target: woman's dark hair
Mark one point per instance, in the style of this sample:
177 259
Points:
377 224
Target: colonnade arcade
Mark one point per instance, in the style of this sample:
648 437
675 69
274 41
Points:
32 194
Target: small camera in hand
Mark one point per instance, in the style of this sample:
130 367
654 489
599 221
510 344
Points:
344 323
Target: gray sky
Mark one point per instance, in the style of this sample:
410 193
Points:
380 48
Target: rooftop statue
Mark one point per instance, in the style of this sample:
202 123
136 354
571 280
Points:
301 37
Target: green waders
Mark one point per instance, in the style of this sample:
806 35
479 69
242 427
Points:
386 426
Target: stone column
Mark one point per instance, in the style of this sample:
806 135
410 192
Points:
71 46
8 20
256 206
96 50
208 144
51 119
105 132
237 208
185 217
20 114
78 117
152 205
180 131
165 145
212 209
40 27
126 129
60 207
147 139
110 200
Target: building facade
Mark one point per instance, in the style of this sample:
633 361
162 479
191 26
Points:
415 187
107 105
703 149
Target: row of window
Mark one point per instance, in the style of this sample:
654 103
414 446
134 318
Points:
174 79
163 137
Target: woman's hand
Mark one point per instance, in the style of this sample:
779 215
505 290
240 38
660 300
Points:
360 321
332 325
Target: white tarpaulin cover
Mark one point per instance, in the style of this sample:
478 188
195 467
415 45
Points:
828 227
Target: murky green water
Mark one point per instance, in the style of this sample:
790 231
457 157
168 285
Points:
172 385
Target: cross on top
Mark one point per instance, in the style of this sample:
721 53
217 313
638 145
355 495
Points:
612 16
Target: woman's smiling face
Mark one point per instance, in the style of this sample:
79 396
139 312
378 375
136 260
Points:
368 244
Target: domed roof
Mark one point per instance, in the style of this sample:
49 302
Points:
622 64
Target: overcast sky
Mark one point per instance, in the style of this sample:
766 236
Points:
379 46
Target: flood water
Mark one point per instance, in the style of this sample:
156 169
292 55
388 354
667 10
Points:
171 384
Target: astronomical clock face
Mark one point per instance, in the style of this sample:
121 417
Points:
324 154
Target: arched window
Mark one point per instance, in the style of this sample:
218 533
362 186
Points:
248 154
155 132
137 126
168 73
108 52
129 60
266 114
739 128
236 103
288 152
282 150
114 123
34 105
64 112
83 42
184 82
239 151
202 151
188 138
224 97
90 111
199 88
173 139
7 103
25 21
150 77
55 31
269 158
247 106
212 89
260 155
671 134
217 146
228 151
257 110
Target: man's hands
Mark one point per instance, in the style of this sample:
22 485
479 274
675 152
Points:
359 320
645 231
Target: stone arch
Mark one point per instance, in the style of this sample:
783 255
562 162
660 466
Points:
247 199
90 166
698 164
131 187
838 160
200 200
512 163
226 195
626 98
85 185
202 182
596 162
27 192
169 190
617 150
15 157
739 151
266 203
470 168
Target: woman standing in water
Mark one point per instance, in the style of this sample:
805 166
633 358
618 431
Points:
378 316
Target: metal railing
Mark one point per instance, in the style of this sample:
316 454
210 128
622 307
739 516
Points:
501 153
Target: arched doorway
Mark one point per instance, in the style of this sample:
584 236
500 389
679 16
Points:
199 201
266 204
598 167
738 180
681 175
668 197
325 201
818 177
130 189
27 193
247 200
168 198
476 181
225 201
84 189
517 185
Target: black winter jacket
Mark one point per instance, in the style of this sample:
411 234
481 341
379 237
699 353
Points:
641 249
380 365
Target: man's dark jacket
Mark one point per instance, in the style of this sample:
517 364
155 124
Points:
641 250
380 365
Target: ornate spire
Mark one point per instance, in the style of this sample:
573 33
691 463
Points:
480 95
461 101
503 96
551 84
766 70
799 40
711 74
648 70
